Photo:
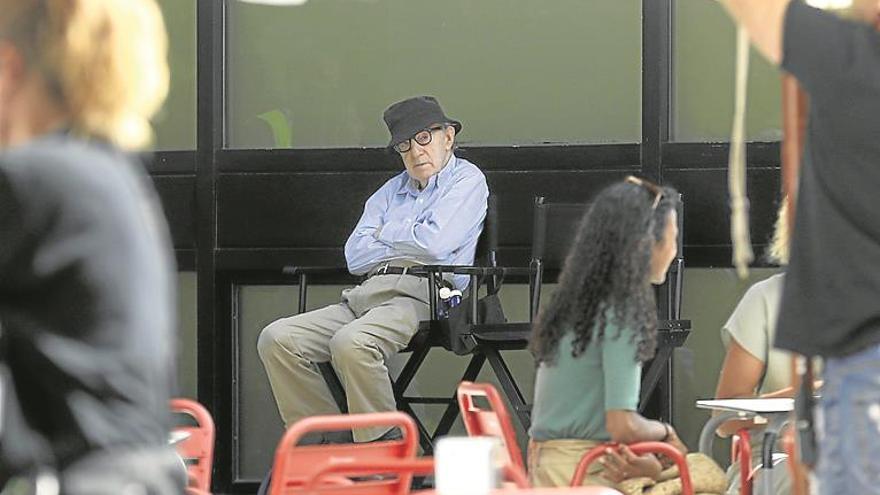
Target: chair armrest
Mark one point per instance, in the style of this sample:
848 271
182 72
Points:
471 270
493 270
426 269
316 270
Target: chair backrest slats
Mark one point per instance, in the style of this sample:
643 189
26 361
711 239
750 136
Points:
197 449
554 230
494 422
296 465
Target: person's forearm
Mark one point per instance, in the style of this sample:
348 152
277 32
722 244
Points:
636 428
763 19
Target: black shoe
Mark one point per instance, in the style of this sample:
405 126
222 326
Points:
392 434
388 436
343 436
324 438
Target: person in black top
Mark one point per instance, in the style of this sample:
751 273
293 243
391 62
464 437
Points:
831 298
86 274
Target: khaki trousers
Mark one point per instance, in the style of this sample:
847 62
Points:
373 321
553 463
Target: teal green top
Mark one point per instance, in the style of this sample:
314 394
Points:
572 395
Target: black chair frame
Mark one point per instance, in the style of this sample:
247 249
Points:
431 333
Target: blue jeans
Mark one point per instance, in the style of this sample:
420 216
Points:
848 420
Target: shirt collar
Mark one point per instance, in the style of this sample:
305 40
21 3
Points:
409 185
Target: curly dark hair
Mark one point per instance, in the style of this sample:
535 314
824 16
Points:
606 275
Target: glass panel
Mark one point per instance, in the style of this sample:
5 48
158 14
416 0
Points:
513 71
187 348
175 125
703 79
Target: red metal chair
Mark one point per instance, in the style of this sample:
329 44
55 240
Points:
197 449
638 448
418 466
493 422
312 468
741 449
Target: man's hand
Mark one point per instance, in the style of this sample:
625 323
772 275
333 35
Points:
763 19
621 463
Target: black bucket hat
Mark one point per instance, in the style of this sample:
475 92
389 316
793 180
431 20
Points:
406 118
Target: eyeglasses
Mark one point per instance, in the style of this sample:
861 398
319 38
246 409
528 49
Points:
422 137
654 189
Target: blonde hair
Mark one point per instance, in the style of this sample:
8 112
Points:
779 246
105 61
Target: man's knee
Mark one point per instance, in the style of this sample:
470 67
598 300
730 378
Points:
268 339
350 345
275 337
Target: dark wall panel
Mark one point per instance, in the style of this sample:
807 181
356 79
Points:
291 210
707 214
267 220
306 218
177 194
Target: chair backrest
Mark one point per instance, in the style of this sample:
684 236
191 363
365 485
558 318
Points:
487 245
554 228
494 422
296 465
197 449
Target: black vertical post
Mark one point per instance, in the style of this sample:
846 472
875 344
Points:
656 76
209 118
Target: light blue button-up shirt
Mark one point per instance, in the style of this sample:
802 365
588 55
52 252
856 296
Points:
438 225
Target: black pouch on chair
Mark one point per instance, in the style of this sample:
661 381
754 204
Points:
458 329
490 310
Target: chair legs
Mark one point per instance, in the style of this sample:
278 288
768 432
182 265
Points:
335 386
452 409
505 378
405 402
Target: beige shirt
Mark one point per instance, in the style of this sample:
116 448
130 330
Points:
753 326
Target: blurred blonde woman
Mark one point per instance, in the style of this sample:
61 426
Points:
752 367
86 274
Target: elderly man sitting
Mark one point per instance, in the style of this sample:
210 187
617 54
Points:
432 213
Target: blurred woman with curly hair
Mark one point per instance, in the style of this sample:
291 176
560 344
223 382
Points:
591 339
